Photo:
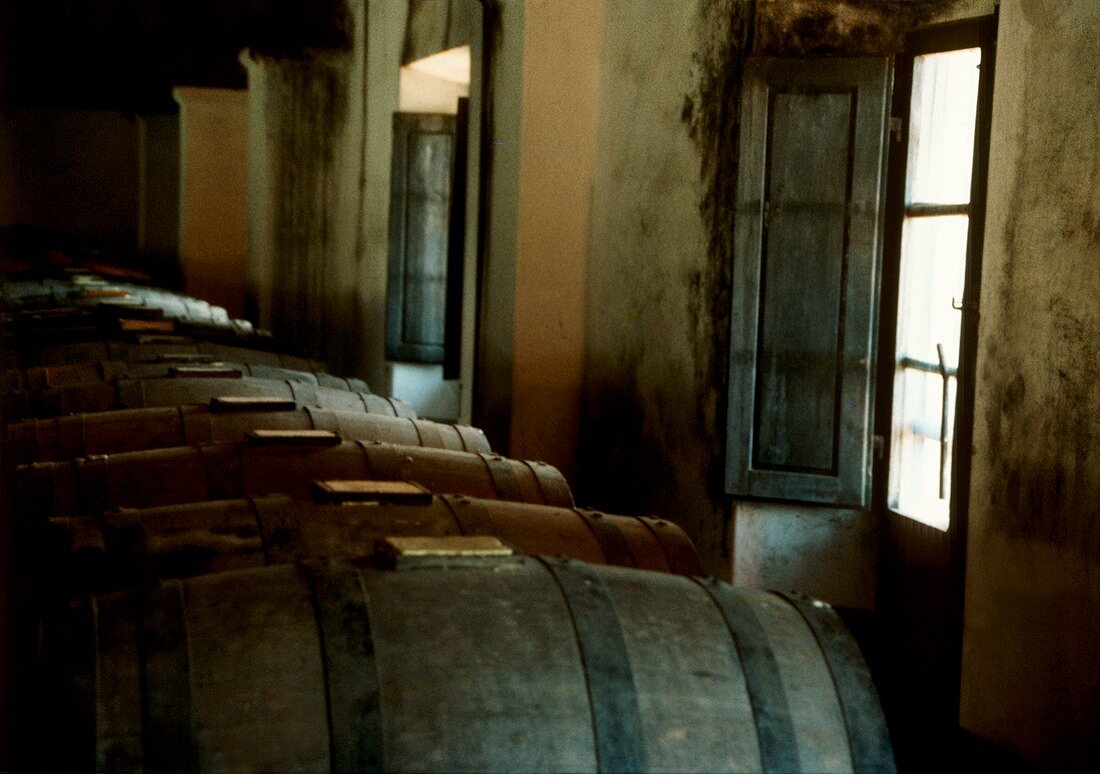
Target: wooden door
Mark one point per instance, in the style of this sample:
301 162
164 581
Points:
921 487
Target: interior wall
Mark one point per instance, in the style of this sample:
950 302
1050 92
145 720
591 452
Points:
306 182
159 196
561 88
657 308
213 223
650 432
424 93
1031 676
492 398
73 170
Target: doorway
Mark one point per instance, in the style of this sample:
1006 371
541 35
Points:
935 218
429 294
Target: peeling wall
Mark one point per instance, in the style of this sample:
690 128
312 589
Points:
1031 676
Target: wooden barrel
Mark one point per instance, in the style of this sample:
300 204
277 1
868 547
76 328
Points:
172 391
111 432
63 300
36 264
463 664
133 547
279 462
47 377
154 348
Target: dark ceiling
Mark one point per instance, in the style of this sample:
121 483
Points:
128 54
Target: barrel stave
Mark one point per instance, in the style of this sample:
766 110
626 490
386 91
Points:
131 547
450 664
90 485
815 715
263 651
692 701
506 693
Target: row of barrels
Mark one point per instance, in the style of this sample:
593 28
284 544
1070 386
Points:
232 560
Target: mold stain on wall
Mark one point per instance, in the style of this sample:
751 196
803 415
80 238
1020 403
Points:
1041 361
658 286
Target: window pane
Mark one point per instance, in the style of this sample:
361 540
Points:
941 127
933 262
920 480
933 265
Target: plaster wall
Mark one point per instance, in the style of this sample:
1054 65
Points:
492 396
1031 678
159 200
560 107
213 223
657 322
306 183
424 93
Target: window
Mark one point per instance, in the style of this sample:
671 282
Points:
420 206
935 245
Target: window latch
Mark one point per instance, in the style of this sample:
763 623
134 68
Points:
964 305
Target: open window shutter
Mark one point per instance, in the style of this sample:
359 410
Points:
805 279
423 154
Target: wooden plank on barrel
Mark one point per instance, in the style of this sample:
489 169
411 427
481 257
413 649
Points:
251 403
381 492
205 372
144 326
396 548
292 438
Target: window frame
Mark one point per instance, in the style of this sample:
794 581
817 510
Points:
969 33
848 483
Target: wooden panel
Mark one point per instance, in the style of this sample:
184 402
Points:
805 279
797 387
423 152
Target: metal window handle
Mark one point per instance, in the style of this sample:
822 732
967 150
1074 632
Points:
944 375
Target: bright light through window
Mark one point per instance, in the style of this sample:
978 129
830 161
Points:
933 265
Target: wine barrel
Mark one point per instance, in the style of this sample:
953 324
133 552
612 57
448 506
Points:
495 663
111 432
75 298
132 547
47 377
275 462
155 348
98 327
172 391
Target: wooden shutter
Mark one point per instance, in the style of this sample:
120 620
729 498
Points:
420 198
805 279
